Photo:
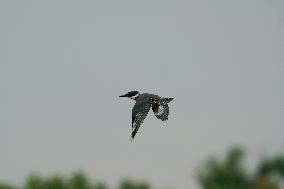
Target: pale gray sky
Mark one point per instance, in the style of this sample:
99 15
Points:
63 65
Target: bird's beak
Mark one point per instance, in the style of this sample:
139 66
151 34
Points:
123 95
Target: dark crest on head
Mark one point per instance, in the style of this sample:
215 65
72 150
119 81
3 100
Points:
132 93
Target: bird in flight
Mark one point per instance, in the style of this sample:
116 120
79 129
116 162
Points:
144 102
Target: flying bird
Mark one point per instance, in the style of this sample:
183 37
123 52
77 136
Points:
144 102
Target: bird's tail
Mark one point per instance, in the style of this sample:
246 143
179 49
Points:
167 100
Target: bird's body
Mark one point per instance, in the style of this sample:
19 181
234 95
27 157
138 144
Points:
142 106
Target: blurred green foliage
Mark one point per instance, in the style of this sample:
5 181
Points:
228 172
77 180
128 184
6 186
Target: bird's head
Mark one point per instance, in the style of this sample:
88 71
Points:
131 94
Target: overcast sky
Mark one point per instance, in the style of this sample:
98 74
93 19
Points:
63 65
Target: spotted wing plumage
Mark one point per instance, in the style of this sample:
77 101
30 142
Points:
139 113
161 111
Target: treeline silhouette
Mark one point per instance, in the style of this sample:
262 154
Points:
77 180
228 172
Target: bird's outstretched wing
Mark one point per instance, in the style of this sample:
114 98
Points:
139 113
161 111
